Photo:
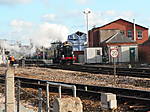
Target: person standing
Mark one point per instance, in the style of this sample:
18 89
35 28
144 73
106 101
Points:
12 60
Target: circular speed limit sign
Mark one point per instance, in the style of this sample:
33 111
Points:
114 52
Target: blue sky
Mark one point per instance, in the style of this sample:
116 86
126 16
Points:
49 20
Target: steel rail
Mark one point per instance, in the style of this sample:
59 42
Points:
120 71
120 92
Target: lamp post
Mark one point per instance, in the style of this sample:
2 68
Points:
86 12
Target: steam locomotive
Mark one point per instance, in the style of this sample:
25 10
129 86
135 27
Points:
62 53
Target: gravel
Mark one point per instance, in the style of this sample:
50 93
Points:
81 77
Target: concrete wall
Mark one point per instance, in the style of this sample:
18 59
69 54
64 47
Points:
108 101
124 53
91 55
144 53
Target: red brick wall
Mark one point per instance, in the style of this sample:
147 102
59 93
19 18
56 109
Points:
125 26
94 38
144 54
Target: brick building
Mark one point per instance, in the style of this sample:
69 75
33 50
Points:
99 34
144 52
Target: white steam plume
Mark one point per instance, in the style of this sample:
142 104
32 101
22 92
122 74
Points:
47 33
16 50
41 35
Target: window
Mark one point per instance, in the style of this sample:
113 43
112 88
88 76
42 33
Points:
139 34
122 32
130 35
98 52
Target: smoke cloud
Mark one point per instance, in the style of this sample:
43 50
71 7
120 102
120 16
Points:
11 2
47 33
33 36
16 49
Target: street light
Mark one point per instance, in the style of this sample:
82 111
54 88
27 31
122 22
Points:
86 12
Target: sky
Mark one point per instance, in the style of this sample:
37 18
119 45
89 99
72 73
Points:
45 21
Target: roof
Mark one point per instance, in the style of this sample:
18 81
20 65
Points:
79 33
121 20
118 38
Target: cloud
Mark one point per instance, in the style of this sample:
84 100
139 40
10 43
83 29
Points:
119 14
82 1
110 12
10 2
102 17
20 23
95 18
40 34
126 15
49 17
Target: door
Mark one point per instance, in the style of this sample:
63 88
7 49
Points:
132 55
98 56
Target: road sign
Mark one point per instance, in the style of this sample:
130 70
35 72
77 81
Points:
114 52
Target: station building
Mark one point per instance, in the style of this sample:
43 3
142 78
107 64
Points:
96 35
119 34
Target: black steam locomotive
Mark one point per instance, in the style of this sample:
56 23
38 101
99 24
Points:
62 53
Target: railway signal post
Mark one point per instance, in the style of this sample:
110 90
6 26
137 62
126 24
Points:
114 54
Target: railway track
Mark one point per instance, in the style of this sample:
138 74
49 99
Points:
97 69
87 89
133 72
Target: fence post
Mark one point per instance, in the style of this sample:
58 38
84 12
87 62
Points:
9 91
47 94
18 95
40 100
